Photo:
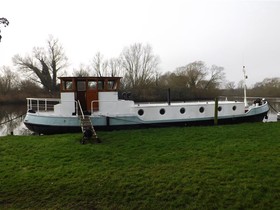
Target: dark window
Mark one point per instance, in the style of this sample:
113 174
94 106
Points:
110 84
182 110
234 108
81 85
162 111
219 108
140 112
100 85
201 109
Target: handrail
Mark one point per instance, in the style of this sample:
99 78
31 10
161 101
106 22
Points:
79 104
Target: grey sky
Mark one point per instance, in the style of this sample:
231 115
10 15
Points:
228 33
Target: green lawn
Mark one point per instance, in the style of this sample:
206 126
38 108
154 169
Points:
220 167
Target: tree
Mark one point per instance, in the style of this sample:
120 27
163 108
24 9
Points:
8 80
83 71
44 65
99 65
217 76
268 87
5 22
139 65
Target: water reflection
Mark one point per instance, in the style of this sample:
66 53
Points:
11 120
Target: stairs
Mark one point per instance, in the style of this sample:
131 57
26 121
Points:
88 130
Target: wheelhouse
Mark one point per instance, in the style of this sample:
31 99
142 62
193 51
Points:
87 90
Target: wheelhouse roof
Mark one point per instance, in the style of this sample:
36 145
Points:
87 78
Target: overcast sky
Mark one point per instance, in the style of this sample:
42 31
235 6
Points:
227 33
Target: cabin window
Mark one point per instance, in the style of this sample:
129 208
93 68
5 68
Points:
100 85
162 111
182 110
219 108
201 109
234 108
67 85
140 112
92 85
110 84
81 85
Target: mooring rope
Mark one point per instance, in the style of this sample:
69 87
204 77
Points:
12 119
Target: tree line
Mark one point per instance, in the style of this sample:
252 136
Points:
36 75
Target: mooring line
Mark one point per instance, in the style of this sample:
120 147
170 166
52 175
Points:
12 119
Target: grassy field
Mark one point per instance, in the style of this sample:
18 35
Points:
221 167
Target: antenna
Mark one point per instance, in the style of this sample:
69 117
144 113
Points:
245 87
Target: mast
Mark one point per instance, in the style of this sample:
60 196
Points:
245 86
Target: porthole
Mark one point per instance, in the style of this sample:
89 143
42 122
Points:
162 111
182 110
140 112
234 108
201 109
219 108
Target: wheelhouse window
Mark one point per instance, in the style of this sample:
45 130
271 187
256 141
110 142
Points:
100 85
81 85
111 84
92 85
67 85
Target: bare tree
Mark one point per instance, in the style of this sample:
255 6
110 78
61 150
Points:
83 71
8 80
139 64
194 74
115 67
44 65
230 85
5 22
217 76
99 65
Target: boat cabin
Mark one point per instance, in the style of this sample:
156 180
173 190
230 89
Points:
87 90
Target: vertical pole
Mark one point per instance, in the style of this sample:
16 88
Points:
245 87
216 112
168 96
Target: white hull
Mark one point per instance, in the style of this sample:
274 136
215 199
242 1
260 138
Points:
151 115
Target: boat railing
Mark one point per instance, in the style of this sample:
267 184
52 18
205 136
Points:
37 105
41 104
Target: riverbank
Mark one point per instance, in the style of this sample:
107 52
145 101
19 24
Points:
220 167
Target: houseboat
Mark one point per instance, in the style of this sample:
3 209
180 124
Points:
96 99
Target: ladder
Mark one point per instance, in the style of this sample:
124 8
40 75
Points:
87 128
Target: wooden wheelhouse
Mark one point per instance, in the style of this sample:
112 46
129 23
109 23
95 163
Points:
86 89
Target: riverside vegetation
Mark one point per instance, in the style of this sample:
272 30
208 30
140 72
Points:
219 167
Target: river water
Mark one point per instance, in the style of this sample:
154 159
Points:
11 117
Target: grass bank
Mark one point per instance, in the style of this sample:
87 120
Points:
222 167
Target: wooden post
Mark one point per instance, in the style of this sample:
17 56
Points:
168 96
216 112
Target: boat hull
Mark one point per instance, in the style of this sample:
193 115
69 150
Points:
127 122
